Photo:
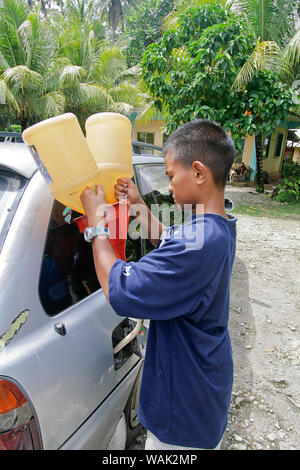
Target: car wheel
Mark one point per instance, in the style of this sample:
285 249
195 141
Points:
131 411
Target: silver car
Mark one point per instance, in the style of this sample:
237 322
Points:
70 367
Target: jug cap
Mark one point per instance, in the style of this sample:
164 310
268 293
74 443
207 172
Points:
94 118
61 119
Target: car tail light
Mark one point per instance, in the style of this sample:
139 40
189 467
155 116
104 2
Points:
18 428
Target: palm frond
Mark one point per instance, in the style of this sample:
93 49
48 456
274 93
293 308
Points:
282 22
51 104
14 12
3 62
111 58
123 108
129 93
26 33
94 95
21 79
266 55
133 73
37 42
9 43
148 114
6 96
292 50
259 14
270 20
71 76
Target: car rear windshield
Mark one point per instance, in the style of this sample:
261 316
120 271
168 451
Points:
11 188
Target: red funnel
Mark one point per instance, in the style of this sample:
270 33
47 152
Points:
117 220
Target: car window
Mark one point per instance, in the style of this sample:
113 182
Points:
153 184
11 189
67 272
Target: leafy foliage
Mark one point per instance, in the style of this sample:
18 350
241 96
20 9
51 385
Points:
192 68
143 26
289 189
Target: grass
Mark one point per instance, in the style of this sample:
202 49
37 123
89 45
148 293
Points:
291 210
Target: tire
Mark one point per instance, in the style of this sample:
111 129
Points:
134 427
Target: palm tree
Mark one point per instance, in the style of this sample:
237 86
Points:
115 10
59 64
93 76
278 45
27 65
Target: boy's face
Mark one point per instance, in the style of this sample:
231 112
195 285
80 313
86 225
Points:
182 182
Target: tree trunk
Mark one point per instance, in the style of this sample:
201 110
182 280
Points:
259 163
24 122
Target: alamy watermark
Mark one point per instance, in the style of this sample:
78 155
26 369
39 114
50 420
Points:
177 224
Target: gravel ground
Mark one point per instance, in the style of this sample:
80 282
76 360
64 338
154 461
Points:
264 329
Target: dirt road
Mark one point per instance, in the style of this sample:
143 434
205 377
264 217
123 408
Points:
264 329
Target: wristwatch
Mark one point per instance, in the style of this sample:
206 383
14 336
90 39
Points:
91 232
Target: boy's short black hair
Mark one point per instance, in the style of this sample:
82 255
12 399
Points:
205 141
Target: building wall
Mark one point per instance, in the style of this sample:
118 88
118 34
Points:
296 156
248 148
151 127
271 164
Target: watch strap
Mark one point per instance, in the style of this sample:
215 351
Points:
100 231
91 232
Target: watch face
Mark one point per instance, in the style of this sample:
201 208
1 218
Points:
88 236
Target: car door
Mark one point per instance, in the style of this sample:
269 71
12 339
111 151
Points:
63 355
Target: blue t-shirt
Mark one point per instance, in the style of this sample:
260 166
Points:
183 286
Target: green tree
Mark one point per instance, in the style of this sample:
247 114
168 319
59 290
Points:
191 70
143 26
277 48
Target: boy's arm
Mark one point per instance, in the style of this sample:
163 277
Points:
150 225
94 205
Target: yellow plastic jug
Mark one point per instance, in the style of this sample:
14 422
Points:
63 156
109 138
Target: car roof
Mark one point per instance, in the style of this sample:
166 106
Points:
17 157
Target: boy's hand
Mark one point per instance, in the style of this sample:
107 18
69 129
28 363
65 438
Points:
94 204
126 188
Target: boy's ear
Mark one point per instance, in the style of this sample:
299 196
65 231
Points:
200 171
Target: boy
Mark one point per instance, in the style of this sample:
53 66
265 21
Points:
183 288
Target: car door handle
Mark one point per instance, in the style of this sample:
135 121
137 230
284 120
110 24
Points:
129 337
60 328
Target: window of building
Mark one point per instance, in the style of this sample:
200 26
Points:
266 148
147 137
278 145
